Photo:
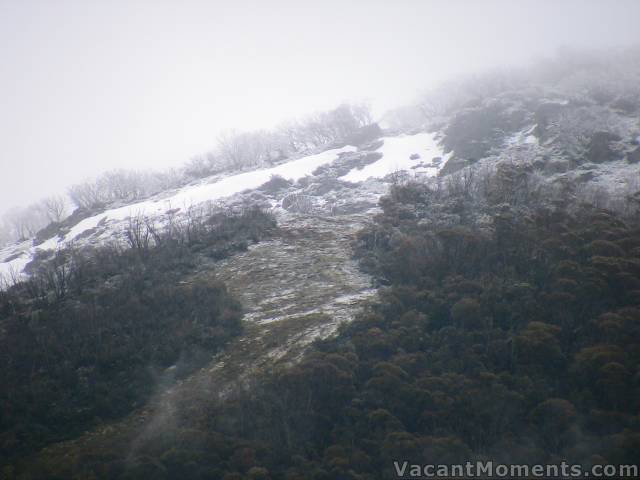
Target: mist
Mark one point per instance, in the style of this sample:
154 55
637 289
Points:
288 240
92 86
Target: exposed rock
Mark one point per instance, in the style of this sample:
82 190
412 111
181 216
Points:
347 162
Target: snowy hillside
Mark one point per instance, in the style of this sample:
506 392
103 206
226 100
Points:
560 140
483 246
419 154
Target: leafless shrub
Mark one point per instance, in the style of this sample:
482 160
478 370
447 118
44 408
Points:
22 223
121 185
138 234
574 128
55 208
297 202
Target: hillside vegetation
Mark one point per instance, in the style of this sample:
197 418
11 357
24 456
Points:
506 324
92 333
507 331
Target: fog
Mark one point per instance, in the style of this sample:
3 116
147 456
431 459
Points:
87 86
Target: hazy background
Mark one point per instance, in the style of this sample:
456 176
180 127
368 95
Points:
87 86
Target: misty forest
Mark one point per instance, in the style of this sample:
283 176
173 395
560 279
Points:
450 279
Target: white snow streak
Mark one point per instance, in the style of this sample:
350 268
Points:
396 155
183 198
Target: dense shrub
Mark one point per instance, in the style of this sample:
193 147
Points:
91 334
510 338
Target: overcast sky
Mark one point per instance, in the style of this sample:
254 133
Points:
90 85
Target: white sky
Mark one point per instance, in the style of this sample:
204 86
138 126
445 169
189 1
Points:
90 85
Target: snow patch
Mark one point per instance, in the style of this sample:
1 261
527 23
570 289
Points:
184 198
396 155
524 136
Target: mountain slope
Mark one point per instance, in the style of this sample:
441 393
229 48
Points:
476 216
295 288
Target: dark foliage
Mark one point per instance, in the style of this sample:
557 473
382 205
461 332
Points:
364 134
508 331
91 334
516 342
275 184
475 130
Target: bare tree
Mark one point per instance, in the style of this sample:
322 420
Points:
126 185
86 195
137 234
245 149
55 208
25 222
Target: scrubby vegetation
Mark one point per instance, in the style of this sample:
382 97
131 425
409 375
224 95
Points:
579 107
91 334
347 123
122 186
21 223
234 151
508 330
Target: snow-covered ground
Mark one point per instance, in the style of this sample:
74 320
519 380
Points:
618 177
184 198
524 136
197 194
396 155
